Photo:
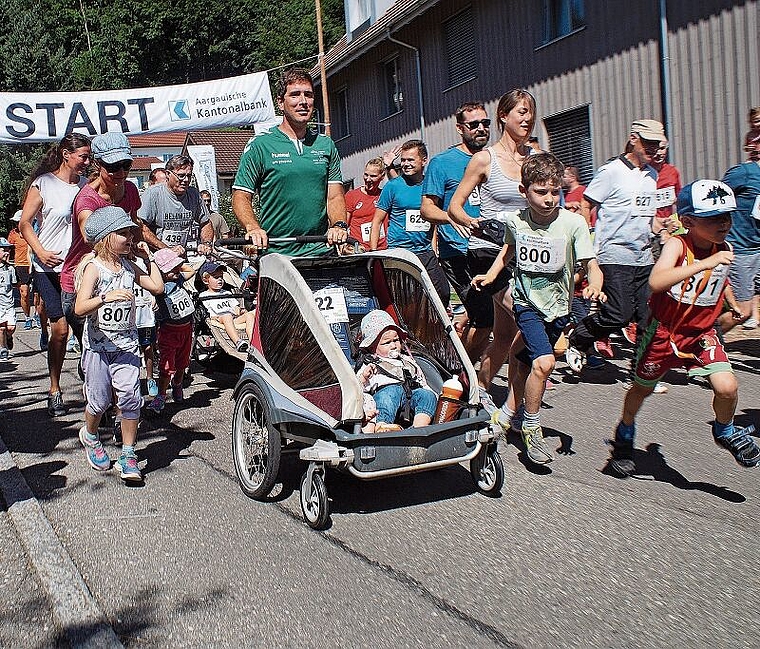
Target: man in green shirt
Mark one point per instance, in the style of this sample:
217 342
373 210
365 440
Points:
296 173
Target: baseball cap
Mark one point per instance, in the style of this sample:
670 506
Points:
106 220
17 216
4 243
373 324
649 129
111 147
211 267
167 260
704 198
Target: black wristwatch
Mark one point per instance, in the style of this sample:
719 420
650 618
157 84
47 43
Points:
340 224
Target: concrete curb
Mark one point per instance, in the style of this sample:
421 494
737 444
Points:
75 610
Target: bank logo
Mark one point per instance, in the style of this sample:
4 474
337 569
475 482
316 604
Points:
178 110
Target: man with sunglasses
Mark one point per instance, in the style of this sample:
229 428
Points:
173 212
624 191
444 172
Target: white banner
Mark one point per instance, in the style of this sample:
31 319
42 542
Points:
204 169
28 117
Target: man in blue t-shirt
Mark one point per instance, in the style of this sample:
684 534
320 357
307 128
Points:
744 236
400 202
442 178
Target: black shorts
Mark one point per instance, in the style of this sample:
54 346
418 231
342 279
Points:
22 273
479 304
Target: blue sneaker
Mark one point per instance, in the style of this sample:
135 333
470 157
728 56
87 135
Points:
741 445
36 322
3 354
28 324
96 454
152 388
44 341
127 467
157 405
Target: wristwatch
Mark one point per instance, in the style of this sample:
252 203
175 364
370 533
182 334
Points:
340 224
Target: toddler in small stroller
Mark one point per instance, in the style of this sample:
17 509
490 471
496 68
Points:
392 377
224 308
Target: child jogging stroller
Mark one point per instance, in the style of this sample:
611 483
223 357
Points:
298 392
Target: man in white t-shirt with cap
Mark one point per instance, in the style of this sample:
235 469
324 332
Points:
624 191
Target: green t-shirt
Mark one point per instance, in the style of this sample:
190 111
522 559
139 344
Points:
545 257
291 179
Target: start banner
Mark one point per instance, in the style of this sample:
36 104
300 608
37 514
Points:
27 118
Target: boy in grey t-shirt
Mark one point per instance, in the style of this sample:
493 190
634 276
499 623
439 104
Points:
8 282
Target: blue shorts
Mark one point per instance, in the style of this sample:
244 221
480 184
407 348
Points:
742 273
48 286
538 335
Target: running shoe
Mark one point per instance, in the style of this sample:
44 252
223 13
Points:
604 348
575 358
128 468
741 445
9 340
486 401
178 393
28 324
44 341
242 346
72 344
629 333
621 462
750 324
96 454
36 322
157 405
537 450
660 388
515 425
3 354
55 405
152 387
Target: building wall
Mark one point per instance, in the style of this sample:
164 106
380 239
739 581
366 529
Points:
613 65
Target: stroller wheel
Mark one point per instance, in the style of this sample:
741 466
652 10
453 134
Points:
315 505
256 444
487 470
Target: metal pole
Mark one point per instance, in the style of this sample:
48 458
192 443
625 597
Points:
665 73
419 80
322 71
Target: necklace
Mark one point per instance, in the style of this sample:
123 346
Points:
511 155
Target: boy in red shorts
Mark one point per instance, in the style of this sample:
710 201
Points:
689 284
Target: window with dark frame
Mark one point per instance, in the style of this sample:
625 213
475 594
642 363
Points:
394 95
570 140
459 46
339 126
562 17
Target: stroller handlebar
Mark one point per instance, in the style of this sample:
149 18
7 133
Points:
306 238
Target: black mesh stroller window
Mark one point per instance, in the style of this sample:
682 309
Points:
287 342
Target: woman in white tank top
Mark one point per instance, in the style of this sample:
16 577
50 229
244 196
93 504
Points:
496 171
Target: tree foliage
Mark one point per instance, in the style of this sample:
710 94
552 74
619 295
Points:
80 45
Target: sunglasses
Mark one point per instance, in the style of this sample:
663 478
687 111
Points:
474 124
181 177
113 167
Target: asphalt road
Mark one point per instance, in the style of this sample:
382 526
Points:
567 557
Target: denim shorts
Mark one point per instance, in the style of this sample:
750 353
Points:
743 273
538 335
48 286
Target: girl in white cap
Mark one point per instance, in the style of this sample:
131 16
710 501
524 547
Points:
391 376
110 358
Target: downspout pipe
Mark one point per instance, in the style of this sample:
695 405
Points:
667 110
419 79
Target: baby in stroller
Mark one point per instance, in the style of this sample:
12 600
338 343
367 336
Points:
392 377
225 308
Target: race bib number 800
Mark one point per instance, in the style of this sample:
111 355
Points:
536 254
